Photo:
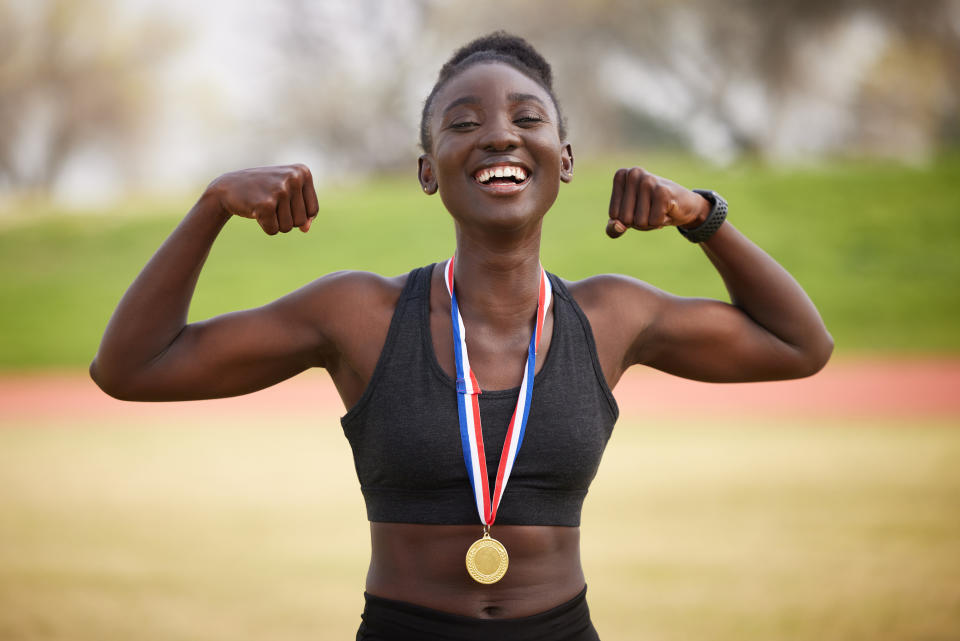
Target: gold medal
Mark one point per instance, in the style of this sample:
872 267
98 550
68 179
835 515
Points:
487 559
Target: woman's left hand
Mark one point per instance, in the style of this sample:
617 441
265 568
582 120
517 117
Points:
644 201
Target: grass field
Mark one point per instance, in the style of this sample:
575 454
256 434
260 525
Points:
227 526
242 531
876 245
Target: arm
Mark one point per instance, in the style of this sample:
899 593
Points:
149 352
770 329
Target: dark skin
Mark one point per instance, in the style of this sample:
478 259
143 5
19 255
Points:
488 115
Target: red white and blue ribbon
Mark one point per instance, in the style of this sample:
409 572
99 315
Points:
468 404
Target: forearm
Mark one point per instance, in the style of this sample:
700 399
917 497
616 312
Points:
153 311
769 295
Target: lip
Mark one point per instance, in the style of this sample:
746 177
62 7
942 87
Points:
505 189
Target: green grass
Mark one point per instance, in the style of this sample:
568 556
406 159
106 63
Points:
243 531
876 245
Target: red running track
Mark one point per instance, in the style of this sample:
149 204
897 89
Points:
863 388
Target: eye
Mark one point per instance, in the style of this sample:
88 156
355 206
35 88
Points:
465 124
528 120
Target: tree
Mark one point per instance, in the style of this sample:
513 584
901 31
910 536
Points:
72 73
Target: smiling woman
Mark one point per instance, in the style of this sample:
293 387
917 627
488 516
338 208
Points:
499 108
478 389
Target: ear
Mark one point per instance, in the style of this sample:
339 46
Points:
566 163
425 175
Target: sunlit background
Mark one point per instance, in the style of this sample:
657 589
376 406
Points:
826 509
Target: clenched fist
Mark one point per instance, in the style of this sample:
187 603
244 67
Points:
279 198
644 201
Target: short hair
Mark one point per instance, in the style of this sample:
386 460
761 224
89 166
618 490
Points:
498 46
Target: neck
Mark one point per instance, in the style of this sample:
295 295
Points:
498 285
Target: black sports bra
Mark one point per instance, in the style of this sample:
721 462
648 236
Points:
405 432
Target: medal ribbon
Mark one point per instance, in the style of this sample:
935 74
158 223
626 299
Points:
468 404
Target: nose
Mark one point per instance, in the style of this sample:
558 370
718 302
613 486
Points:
499 134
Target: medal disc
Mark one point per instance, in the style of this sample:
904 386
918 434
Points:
487 560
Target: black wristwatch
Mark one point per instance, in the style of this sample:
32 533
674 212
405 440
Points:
718 214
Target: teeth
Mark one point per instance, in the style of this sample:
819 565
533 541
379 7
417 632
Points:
485 175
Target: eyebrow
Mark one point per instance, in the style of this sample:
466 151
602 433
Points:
474 100
524 97
463 100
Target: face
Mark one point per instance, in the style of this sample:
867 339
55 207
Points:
497 158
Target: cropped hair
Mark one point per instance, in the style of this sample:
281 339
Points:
498 46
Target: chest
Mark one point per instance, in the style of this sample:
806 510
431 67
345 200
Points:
497 357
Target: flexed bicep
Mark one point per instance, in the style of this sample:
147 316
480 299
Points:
338 316
226 355
710 340
234 353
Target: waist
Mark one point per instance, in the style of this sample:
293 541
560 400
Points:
425 565
390 619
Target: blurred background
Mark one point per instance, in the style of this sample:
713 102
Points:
101 99
822 509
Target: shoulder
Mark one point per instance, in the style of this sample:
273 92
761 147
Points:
613 295
359 286
350 313
346 296
620 310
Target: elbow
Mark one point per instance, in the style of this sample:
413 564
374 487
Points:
95 375
103 381
110 383
816 357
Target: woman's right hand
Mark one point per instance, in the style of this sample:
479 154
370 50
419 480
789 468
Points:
278 198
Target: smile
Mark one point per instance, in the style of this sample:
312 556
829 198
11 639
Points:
502 178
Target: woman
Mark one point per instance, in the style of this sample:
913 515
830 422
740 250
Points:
409 354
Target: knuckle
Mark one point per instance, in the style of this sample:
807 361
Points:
636 173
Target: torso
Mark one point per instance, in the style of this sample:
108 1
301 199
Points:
425 564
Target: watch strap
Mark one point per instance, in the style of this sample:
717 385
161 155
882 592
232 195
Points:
718 214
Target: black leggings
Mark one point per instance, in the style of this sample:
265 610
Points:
389 620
